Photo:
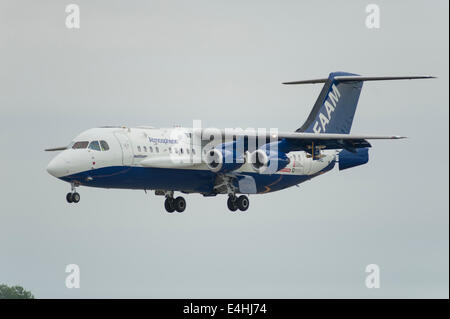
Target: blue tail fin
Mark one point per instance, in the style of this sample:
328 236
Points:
335 107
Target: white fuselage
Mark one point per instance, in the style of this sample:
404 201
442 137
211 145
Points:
142 150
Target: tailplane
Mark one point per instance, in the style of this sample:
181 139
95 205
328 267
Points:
335 107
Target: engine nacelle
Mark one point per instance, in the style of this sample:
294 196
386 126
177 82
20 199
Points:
265 161
224 158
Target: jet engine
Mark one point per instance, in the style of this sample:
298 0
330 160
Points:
224 158
268 161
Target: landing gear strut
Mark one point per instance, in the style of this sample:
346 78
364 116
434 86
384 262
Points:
73 196
174 204
234 203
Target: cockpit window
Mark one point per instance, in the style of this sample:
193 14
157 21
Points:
79 145
94 146
104 145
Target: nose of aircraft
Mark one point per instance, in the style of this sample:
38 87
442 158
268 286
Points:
57 167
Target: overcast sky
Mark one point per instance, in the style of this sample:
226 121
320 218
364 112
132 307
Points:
170 62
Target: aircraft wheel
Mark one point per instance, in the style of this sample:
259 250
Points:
168 205
232 203
75 197
69 198
179 204
243 203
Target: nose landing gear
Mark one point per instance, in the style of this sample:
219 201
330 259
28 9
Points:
73 196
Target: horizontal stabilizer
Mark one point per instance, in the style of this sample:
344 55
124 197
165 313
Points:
349 78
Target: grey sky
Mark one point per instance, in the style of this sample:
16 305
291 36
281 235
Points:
170 62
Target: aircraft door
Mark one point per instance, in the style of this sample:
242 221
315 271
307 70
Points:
127 149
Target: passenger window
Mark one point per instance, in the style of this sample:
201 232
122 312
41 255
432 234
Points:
94 145
157 149
151 149
193 151
181 151
139 148
104 145
80 145
187 150
145 149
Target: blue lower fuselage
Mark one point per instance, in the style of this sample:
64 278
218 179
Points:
187 180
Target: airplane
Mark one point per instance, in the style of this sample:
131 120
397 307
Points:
232 162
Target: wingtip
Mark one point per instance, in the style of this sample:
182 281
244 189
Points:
55 149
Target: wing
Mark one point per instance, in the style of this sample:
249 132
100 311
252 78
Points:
297 141
304 141
61 148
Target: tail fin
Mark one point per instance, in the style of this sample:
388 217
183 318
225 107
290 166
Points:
335 107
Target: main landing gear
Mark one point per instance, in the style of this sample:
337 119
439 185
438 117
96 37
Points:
174 204
73 196
234 203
